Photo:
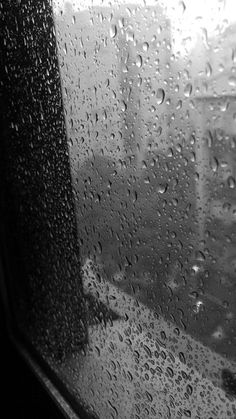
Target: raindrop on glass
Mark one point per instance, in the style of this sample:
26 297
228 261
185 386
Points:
232 81
160 96
162 188
139 61
231 182
188 90
113 31
145 46
214 164
208 70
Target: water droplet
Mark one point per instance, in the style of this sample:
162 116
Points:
160 96
170 152
234 55
221 68
193 157
124 68
145 46
208 70
149 396
187 413
182 357
147 350
113 31
232 81
129 36
139 61
214 164
121 22
182 7
200 256
188 90
224 106
162 188
139 82
170 372
175 202
189 389
163 335
231 182
179 105
114 409
123 106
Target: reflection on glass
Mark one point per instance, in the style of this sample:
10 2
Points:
149 94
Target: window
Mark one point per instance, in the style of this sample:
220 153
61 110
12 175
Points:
127 202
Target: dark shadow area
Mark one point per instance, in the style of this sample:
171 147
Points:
22 395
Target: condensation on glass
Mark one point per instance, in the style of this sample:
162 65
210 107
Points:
149 92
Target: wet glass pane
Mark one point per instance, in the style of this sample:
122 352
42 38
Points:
149 92
38 236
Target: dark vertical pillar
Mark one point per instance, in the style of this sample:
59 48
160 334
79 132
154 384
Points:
38 220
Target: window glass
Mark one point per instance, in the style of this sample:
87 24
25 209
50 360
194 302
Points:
149 93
